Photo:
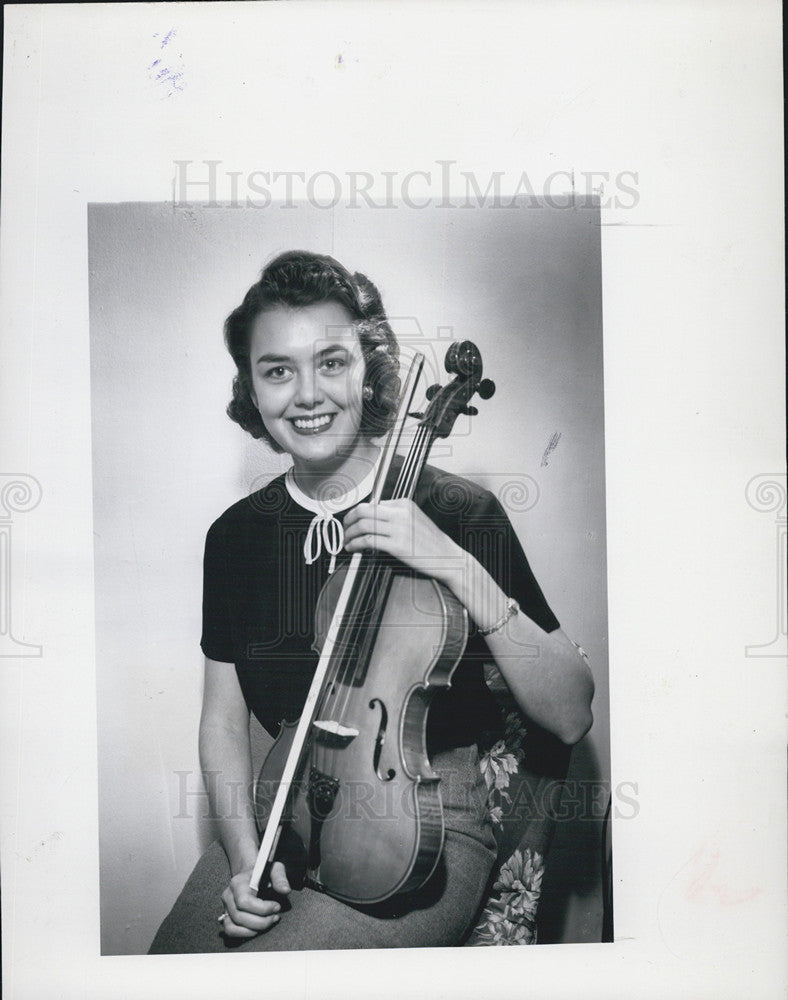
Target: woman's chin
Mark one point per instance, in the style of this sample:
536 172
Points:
316 451
325 453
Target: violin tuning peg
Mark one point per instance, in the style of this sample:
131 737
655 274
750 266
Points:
416 416
486 388
433 390
470 410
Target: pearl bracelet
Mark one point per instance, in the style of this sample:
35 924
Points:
512 607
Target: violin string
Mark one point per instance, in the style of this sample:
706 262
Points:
362 596
339 677
379 578
372 586
341 671
365 603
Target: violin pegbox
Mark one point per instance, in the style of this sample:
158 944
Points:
464 362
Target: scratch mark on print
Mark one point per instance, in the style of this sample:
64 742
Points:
551 446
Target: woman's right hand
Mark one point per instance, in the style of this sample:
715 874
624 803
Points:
245 915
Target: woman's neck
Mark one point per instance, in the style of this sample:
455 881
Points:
340 476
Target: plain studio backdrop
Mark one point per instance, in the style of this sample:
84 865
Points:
524 283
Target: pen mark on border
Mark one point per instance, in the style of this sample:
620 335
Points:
168 70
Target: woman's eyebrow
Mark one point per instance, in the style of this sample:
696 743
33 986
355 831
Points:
331 348
278 359
272 358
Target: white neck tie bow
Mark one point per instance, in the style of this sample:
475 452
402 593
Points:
325 531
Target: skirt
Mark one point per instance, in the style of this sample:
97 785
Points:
440 913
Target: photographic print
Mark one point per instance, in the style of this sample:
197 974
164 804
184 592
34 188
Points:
521 279
229 231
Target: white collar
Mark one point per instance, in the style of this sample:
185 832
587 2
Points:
331 504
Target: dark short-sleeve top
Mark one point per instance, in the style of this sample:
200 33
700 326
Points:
259 598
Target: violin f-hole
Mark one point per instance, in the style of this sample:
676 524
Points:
379 741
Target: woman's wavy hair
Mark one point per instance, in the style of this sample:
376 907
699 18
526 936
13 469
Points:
299 278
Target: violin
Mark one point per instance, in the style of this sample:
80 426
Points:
350 784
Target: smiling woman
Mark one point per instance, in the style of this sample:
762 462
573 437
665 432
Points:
317 377
296 285
307 373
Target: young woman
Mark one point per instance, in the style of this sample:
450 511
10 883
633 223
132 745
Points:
317 377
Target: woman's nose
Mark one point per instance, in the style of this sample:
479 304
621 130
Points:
308 392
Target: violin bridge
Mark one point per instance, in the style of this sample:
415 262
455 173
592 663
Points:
332 732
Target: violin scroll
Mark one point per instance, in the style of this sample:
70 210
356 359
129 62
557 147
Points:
464 361
463 358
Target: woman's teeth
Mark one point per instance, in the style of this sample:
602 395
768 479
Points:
312 423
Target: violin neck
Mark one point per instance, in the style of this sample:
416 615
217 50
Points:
414 462
416 458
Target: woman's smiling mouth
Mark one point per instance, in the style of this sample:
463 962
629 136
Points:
312 425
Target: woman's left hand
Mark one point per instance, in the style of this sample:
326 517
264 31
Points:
401 529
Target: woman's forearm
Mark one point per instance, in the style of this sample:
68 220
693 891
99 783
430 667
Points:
226 760
545 672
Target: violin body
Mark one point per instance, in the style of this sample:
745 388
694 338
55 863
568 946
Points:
365 806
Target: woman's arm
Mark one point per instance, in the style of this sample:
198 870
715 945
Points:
226 760
545 672
547 675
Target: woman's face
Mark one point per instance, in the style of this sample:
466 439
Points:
307 376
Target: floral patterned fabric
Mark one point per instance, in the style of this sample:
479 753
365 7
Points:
510 914
500 762
524 772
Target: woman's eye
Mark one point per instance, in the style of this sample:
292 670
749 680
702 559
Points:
332 365
278 374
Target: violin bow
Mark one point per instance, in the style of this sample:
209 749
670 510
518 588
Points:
273 829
